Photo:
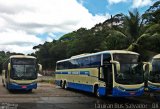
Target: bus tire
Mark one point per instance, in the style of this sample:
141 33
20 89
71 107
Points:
10 90
96 92
61 83
29 91
3 83
7 86
64 85
157 98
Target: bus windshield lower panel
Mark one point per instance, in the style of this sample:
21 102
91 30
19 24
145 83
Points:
130 74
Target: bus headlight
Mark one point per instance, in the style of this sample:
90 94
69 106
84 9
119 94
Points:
120 88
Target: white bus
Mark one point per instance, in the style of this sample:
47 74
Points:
154 74
20 72
111 73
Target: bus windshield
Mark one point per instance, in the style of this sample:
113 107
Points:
131 71
155 73
23 69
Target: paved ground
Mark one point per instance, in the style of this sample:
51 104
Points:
49 96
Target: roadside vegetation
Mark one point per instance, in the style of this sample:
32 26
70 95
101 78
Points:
4 56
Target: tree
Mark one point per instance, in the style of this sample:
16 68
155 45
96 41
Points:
152 15
115 40
134 32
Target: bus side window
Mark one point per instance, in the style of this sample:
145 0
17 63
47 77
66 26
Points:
73 64
95 61
59 66
86 62
76 64
106 59
80 62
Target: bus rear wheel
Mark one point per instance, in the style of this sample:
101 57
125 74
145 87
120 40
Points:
64 85
61 84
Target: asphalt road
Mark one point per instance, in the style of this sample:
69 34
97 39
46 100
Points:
50 96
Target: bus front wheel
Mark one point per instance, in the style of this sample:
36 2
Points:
96 92
3 83
29 91
61 84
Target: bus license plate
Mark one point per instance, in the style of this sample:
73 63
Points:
132 93
24 87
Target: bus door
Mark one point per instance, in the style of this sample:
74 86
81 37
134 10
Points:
107 73
146 74
6 75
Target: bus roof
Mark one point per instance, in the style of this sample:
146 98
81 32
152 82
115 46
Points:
22 56
156 56
102 52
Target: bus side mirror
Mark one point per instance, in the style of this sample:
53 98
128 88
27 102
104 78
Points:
117 64
147 66
9 66
150 67
40 67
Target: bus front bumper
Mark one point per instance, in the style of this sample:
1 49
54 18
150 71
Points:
153 88
121 93
22 87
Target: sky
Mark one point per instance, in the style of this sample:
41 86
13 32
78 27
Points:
27 23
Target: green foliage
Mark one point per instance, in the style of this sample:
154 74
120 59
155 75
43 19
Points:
115 40
4 56
68 37
132 25
134 32
152 15
51 52
150 42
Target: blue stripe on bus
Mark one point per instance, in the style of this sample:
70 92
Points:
57 72
64 72
19 87
75 73
153 88
84 73
84 87
118 92
102 90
